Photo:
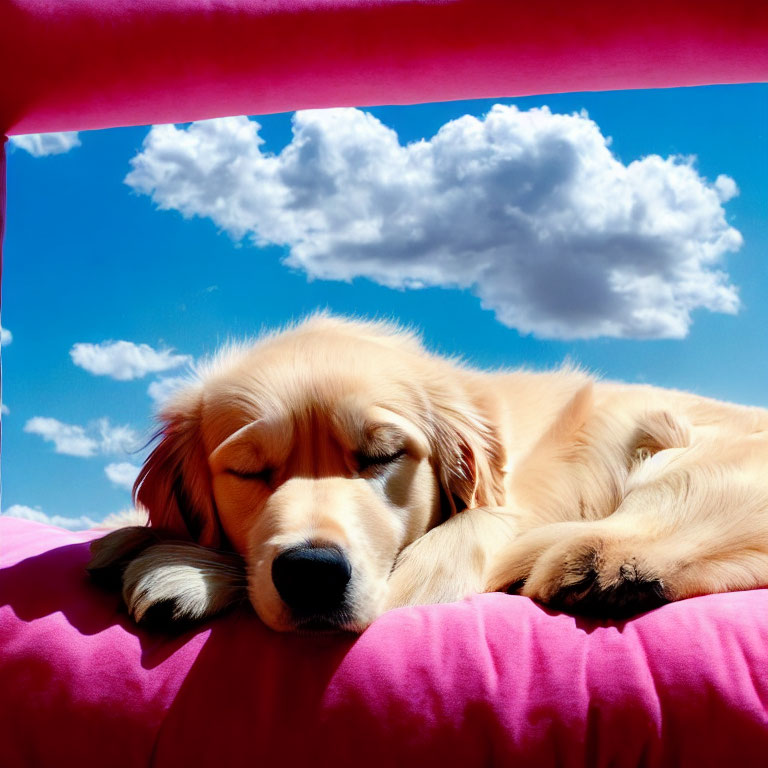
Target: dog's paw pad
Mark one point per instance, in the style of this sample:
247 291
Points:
629 592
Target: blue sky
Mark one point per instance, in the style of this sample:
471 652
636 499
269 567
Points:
90 259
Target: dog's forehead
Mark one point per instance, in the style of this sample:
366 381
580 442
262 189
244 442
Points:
292 379
351 416
283 379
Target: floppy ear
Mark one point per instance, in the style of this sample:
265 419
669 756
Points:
174 485
469 455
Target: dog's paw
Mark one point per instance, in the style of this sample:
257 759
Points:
595 574
166 584
596 577
111 554
176 584
450 562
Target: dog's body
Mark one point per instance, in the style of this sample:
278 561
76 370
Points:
353 471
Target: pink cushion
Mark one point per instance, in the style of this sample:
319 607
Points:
491 680
98 63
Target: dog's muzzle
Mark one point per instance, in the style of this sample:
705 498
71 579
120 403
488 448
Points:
312 581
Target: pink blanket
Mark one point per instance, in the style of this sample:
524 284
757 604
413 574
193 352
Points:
493 680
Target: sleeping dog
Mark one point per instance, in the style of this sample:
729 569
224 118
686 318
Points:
338 469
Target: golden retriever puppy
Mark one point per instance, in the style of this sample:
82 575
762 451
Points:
338 469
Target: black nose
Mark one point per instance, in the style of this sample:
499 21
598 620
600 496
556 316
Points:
311 580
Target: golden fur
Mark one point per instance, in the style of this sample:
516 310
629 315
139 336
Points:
595 496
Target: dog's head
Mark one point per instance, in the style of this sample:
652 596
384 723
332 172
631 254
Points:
318 454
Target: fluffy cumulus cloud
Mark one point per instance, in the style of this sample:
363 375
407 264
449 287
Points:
529 209
41 144
124 360
122 474
99 437
37 515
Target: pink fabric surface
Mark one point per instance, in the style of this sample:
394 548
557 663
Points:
99 63
493 680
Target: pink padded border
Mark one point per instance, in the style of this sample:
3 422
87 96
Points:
492 680
100 63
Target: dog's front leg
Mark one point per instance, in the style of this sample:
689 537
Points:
451 561
699 528
164 583
179 583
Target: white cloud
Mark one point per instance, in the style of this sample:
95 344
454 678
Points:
68 439
529 209
37 515
161 389
124 360
122 474
116 438
4 410
41 144
74 440
6 337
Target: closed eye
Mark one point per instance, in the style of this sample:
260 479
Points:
364 461
262 476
